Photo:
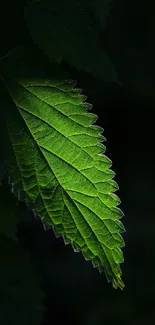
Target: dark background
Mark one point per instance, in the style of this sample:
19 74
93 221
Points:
75 292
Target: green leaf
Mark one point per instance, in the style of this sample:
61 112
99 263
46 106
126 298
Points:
102 9
59 163
67 31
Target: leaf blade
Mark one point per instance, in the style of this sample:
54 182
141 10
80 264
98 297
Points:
69 184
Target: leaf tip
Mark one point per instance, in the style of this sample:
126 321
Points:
118 283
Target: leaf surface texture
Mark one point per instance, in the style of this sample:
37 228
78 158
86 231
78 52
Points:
58 162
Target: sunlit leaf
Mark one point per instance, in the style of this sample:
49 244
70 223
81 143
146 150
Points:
58 162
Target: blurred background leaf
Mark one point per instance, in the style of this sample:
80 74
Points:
101 9
68 31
